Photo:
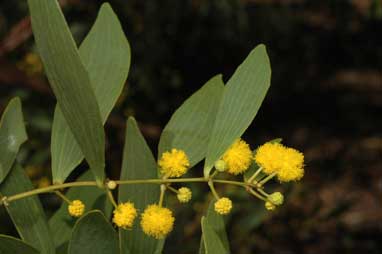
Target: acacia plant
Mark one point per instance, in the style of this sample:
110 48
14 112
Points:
87 82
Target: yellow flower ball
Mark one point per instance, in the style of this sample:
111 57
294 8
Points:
276 198
269 206
270 157
124 215
174 163
288 163
157 221
76 208
184 195
238 157
223 206
293 166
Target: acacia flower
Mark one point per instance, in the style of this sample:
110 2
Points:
223 206
76 208
293 167
157 221
238 157
174 163
287 163
184 195
124 215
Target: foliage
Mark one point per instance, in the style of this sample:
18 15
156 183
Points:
86 83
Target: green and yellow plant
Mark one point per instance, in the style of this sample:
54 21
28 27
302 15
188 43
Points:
87 82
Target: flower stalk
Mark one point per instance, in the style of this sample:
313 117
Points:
56 187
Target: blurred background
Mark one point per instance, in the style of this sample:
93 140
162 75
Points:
325 100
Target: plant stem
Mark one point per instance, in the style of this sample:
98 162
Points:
254 193
53 188
253 177
266 179
262 192
162 192
63 197
212 188
172 189
111 198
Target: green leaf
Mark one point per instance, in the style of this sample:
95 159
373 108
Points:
254 167
12 135
216 222
190 126
70 81
242 98
105 53
27 213
93 234
61 223
212 242
10 245
138 163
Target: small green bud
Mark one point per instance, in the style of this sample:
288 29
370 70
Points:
276 198
111 185
220 165
269 206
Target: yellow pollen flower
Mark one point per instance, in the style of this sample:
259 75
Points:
293 166
223 206
174 163
288 163
157 221
238 157
184 195
124 215
269 206
76 208
270 157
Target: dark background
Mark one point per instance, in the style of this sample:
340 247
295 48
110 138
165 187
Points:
325 100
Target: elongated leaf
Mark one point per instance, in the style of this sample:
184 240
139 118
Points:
12 135
217 223
27 213
61 223
70 81
212 242
242 99
138 163
190 126
10 245
105 53
93 234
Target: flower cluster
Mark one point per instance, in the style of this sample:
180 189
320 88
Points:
76 208
287 163
174 163
124 215
157 221
273 159
238 157
223 206
184 195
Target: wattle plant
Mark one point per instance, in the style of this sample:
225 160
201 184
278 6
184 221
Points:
87 82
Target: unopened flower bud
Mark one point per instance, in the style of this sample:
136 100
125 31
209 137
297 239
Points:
220 165
269 206
276 198
111 185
